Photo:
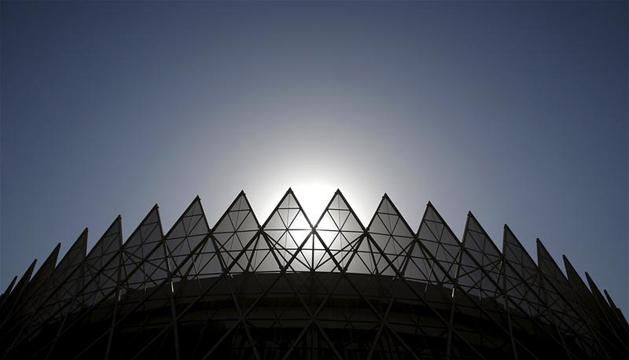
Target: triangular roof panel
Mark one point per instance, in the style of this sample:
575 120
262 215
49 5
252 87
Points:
234 235
521 276
576 281
436 238
391 241
289 234
6 294
45 271
16 295
620 318
70 262
7 291
341 231
143 256
189 252
557 292
551 270
40 285
66 279
481 262
72 259
604 306
100 269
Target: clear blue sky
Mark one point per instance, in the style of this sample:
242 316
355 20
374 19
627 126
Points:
516 111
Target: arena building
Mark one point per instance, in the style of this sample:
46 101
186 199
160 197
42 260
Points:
293 288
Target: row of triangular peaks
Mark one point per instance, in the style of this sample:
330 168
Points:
289 214
339 233
238 219
338 219
517 256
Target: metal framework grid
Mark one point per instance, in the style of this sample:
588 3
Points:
293 289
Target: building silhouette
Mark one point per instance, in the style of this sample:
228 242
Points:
293 288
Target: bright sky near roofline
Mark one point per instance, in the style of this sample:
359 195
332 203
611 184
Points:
516 111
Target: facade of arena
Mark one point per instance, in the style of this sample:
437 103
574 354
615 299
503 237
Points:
292 288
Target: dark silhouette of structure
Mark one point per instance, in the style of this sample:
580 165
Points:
293 289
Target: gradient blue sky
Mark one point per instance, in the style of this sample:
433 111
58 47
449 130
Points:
516 111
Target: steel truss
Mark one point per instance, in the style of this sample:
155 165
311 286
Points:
289 288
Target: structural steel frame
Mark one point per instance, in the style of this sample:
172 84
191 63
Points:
201 292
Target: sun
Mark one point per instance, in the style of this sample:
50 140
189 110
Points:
313 197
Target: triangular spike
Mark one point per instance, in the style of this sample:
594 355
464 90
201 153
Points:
585 298
609 299
550 269
595 291
7 291
234 235
100 268
339 230
558 295
289 234
24 280
66 281
620 318
522 283
39 286
288 202
392 239
146 278
604 306
436 237
484 242
576 281
519 259
442 254
143 257
39 304
6 294
15 298
110 238
555 281
189 251
545 300
474 225
600 299
72 259
68 264
481 262
154 268
513 246
45 271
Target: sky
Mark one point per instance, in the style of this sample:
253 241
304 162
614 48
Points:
517 112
